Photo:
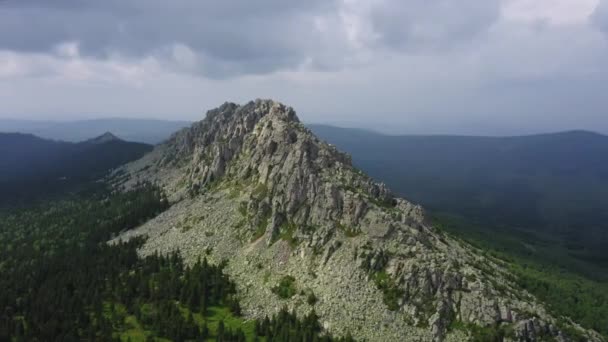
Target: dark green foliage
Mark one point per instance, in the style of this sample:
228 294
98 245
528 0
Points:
554 184
390 291
286 326
349 231
261 226
286 287
561 282
381 259
260 191
491 333
287 232
61 271
67 284
311 299
374 263
566 294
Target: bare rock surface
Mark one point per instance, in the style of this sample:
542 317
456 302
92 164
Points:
252 186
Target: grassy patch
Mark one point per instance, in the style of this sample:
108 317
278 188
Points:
234 192
215 314
243 209
287 234
349 231
471 277
134 331
286 287
130 329
390 292
240 224
260 229
386 203
260 191
190 222
490 333
266 277
308 229
311 299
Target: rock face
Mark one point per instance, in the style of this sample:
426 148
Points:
251 185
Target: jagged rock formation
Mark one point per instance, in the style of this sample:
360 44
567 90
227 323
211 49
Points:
251 185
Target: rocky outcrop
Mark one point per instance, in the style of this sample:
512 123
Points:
251 185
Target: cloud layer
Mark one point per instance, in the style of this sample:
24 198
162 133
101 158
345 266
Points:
471 66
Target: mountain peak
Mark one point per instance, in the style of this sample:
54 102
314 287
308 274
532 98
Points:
252 186
261 129
104 138
254 110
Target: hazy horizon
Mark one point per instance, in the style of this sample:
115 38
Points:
15 125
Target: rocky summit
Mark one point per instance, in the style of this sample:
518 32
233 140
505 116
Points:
299 226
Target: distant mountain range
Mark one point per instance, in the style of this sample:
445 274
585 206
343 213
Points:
553 184
31 166
140 130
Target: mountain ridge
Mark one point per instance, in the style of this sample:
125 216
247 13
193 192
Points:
369 127
252 186
314 126
102 139
31 166
549 184
150 131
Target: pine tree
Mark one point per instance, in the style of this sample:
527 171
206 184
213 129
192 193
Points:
220 330
204 331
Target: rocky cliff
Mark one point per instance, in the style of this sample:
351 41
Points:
251 185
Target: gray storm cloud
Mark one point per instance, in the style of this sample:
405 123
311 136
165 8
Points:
224 38
234 36
440 66
437 24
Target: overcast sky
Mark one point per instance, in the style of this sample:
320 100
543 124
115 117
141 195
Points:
415 66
